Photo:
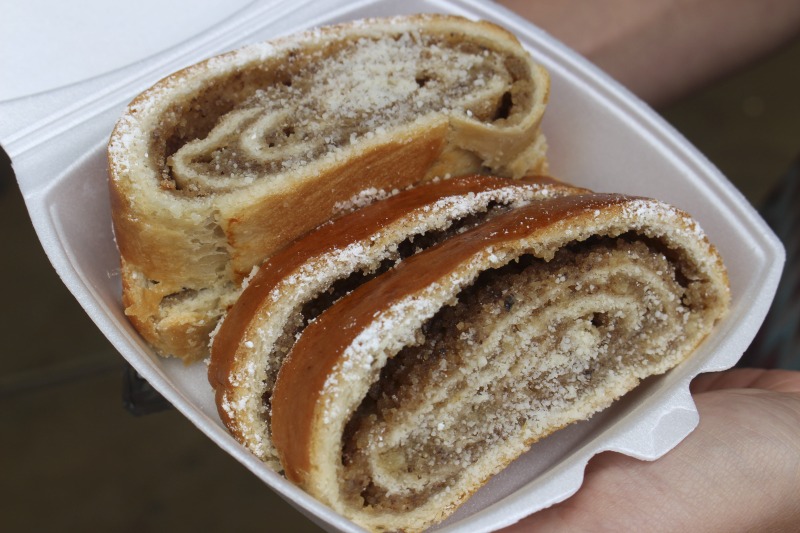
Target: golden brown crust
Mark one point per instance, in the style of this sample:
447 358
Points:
274 295
331 366
187 245
297 400
388 167
350 228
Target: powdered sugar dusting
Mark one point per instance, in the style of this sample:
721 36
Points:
359 93
394 327
363 199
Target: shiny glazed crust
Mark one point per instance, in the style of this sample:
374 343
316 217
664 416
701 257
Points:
188 234
256 334
330 377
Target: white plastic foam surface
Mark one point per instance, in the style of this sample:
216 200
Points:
600 137
120 36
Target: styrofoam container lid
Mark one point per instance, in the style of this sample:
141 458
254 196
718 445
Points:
55 129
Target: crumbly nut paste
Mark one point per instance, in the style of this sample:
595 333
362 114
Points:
405 396
523 342
297 285
220 165
328 100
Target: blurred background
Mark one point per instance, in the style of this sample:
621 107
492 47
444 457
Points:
75 459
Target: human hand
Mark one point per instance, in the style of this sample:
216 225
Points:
664 49
738 471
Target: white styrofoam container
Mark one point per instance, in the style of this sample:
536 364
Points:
600 136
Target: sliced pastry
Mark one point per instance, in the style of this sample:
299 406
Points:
298 283
221 164
403 397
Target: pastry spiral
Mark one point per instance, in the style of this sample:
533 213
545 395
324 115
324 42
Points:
406 395
293 287
219 165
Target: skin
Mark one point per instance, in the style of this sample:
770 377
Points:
663 49
738 471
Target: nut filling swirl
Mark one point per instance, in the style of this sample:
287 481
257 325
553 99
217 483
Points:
409 393
220 165
297 285
362 89
523 344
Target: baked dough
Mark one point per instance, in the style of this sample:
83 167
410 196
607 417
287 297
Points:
406 395
298 283
220 165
